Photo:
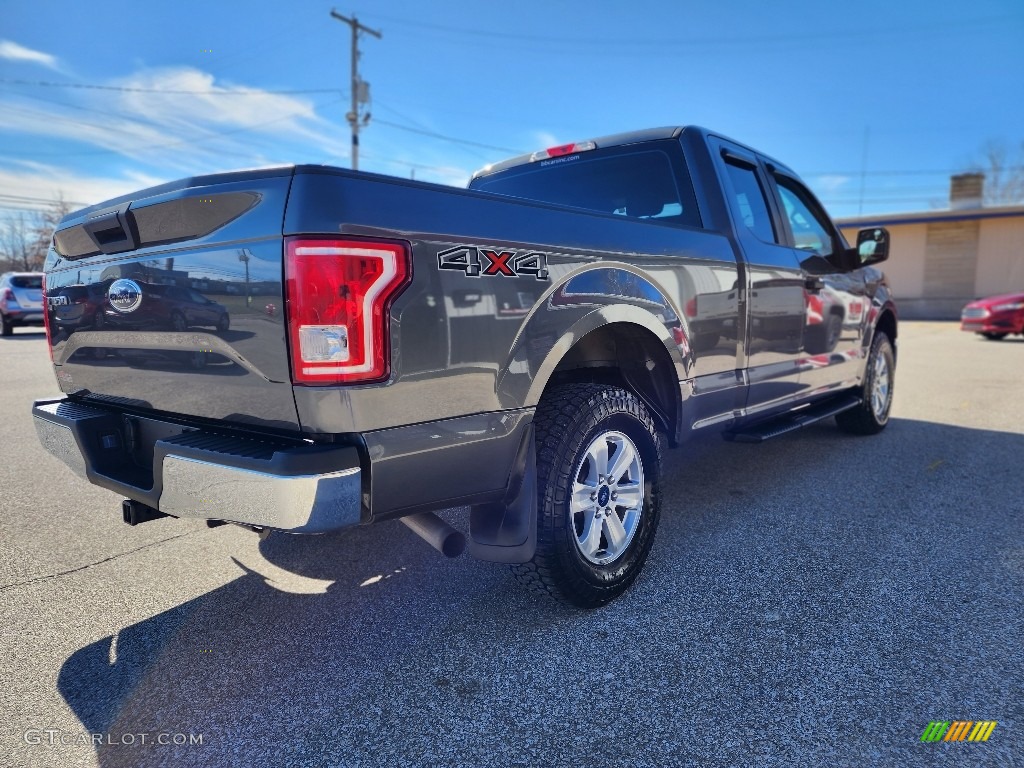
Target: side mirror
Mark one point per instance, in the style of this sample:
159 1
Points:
872 245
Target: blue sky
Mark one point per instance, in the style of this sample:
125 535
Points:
874 103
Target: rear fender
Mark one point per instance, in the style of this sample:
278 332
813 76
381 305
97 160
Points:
585 301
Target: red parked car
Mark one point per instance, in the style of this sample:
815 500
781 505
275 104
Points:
995 317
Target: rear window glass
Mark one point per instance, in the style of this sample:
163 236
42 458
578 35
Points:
637 183
27 281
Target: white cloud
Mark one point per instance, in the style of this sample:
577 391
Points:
13 52
544 140
215 128
221 108
197 125
47 182
830 183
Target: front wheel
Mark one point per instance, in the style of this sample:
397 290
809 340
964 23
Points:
598 493
872 414
991 336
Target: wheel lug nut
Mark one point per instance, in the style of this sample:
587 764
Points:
593 495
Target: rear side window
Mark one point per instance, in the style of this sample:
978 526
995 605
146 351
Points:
27 281
639 183
749 203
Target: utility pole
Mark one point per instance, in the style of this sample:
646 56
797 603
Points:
360 89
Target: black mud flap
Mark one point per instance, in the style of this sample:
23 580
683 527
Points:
506 531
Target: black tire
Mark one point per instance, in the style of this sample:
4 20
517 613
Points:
570 420
223 322
703 342
872 415
823 338
6 329
994 336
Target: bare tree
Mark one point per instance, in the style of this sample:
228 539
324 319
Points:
1004 173
25 236
47 222
18 242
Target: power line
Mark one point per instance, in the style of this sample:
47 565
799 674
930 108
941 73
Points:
4 197
127 150
407 164
957 26
341 92
417 124
443 137
127 89
21 208
948 172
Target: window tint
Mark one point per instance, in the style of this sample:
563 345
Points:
809 232
27 281
640 184
749 202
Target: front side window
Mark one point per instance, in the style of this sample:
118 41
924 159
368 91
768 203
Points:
749 203
810 233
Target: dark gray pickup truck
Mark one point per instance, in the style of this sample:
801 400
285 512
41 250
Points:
303 349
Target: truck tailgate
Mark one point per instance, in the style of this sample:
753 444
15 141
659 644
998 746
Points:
171 300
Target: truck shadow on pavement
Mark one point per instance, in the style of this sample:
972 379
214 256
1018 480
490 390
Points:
835 574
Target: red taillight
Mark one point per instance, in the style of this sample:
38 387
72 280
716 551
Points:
563 149
9 295
46 321
815 308
691 307
338 294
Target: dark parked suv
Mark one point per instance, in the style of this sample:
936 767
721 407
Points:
77 307
21 300
166 306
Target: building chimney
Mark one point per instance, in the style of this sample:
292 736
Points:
966 190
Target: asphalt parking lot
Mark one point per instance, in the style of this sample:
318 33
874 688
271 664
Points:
816 600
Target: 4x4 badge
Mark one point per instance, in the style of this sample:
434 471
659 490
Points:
487 262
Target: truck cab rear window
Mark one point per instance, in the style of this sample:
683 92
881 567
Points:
637 183
27 281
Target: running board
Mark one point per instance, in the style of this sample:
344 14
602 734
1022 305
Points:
790 422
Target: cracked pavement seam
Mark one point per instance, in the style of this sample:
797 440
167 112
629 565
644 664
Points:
98 562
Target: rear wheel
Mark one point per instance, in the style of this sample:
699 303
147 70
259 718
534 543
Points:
598 488
994 336
6 328
872 415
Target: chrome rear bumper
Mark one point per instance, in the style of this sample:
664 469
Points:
301 488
